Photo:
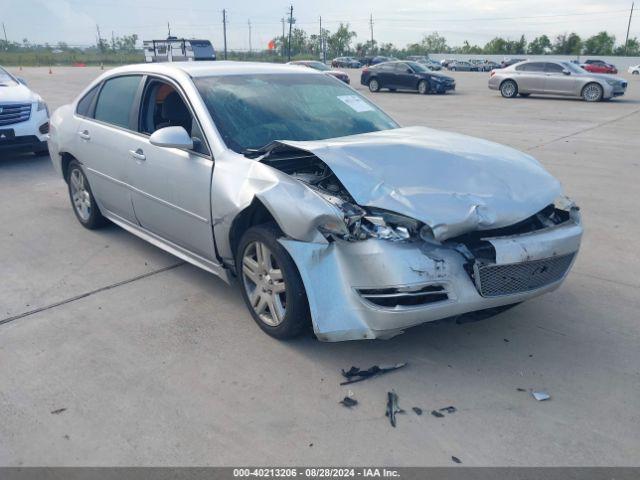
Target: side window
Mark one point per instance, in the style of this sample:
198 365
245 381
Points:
401 68
86 102
162 106
531 67
553 68
115 100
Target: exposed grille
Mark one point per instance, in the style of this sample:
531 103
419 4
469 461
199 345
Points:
497 280
403 297
14 113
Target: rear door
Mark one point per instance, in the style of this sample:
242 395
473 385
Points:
557 82
172 187
386 75
106 133
531 77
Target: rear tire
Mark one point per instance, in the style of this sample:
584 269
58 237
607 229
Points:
592 92
374 85
270 283
509 89
82 200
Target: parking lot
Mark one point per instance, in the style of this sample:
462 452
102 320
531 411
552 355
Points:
156 362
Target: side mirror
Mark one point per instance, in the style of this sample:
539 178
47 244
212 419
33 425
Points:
409 70
566 71
171 137
22 81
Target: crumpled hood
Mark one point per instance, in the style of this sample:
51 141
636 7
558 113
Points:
453 183
16 94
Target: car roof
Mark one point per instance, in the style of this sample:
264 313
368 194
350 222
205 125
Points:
213 68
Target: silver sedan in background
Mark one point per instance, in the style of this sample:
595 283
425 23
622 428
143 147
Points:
552 77
327 211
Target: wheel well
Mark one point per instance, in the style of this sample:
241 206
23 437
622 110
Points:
507 80
254 214
64 163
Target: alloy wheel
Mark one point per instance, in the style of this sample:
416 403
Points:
592 92
264 283
508 89
80 194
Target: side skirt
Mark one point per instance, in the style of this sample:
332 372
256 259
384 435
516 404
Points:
170 247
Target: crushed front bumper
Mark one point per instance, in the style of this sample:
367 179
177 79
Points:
377 288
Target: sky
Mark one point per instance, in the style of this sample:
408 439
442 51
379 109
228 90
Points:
397 21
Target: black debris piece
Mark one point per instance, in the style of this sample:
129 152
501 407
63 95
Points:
354 374
58 411
392 407
349 402
521 389
311 444
456 459
436 413
506 340
449 409
418 410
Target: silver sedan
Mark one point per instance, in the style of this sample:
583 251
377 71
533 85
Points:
326 211
555 78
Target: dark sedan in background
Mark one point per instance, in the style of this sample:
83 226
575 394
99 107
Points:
345 62
340 75
405 76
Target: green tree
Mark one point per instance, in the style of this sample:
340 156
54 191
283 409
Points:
600 44
496 46
632 48
340 42
434 43
539 45
568 44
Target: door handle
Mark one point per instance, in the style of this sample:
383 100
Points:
137 154
84 135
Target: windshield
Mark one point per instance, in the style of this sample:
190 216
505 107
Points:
417 67
251 111
317 65
573 67
6 78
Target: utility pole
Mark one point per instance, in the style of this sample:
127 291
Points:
168 29
321 47
290 25
99 37
113 41
249 23
371 28
626 42
224 31
283 42
6 42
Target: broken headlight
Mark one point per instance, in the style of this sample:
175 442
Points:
360 224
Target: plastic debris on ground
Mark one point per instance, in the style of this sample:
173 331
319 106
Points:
354 374
418 410
456 459
437 414
349 402
392 407
449 409
541 396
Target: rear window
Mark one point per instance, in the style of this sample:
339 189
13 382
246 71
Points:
115 100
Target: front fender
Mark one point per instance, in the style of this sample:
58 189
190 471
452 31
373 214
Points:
238 181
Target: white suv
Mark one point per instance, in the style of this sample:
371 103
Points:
24 117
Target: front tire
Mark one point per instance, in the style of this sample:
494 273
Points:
592 92
270 282
374 85
423 87
82 199
509 89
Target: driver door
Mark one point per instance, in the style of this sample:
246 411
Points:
172 187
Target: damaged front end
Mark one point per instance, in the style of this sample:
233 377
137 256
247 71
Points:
382 271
